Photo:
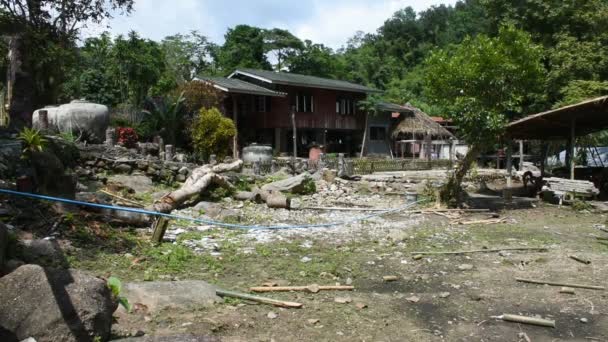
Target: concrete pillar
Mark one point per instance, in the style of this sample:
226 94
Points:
452 150
169 152
110 137
509 166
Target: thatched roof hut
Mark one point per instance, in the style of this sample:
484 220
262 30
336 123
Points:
416 123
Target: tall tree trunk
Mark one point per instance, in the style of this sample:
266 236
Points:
364 135
451 192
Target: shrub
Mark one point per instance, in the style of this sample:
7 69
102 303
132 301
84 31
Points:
198 95
212 133
126 137
33 141
166 117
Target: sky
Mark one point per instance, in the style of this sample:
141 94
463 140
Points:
331 22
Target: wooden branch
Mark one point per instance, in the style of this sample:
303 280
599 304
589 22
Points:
264 300
310 288
489 221
540 249
552 283
138 205
527 320
581 260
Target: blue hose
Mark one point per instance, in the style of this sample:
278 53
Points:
198 220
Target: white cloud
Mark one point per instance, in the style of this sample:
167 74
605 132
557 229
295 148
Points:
334 23
330 22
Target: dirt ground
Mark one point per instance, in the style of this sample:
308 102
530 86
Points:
435 298
412 308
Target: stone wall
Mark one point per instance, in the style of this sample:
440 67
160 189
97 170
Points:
101 159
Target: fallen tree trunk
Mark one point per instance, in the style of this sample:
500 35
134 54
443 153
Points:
198 181
553 283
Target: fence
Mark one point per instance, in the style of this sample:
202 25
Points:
349 166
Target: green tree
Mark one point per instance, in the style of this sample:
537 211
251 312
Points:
483 83
316 60
165 117
283 44
244 48
42 45
140 64
187 56
212 133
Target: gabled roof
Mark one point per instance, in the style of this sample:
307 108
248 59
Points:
233 85
418 122
287 78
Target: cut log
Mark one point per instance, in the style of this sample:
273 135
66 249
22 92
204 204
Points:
158 229
198 181
277 200
581 260
527 320
248 196
310 288
552 283
264 300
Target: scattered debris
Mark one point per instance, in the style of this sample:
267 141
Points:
566 290
390 278
523 336
551 283
488 221
413 299
579 259
272 315
418 256
275 302
526 320
539 249
584 320
306 259
343 300
313 321
360 306
465 267
444 295
314 288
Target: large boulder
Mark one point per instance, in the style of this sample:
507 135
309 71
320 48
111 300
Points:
139 183
77 117
54 305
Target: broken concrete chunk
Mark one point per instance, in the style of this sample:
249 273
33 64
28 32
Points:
313 321
566 290
465 267
272 315
343 300
390 278
413 299
360 306
444 295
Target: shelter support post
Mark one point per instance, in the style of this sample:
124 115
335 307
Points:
521 154
543 160
509 156
571 147
452 150
235 146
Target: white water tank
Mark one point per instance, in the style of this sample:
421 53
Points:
76 117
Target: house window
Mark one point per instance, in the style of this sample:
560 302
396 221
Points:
345 106
262 104
377 133
305 103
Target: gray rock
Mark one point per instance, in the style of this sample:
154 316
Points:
76 117
54 305
215 211
40 250
11 265
294 184
183 171
123 168
180 178
139 183
159 295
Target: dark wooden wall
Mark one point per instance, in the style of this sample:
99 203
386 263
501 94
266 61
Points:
323 117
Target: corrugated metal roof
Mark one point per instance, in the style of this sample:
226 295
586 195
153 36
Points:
302 80
233 85
391 107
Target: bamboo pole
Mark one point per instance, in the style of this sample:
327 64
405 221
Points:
264 300
122 198
552 283
526 320
540 249
310 288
